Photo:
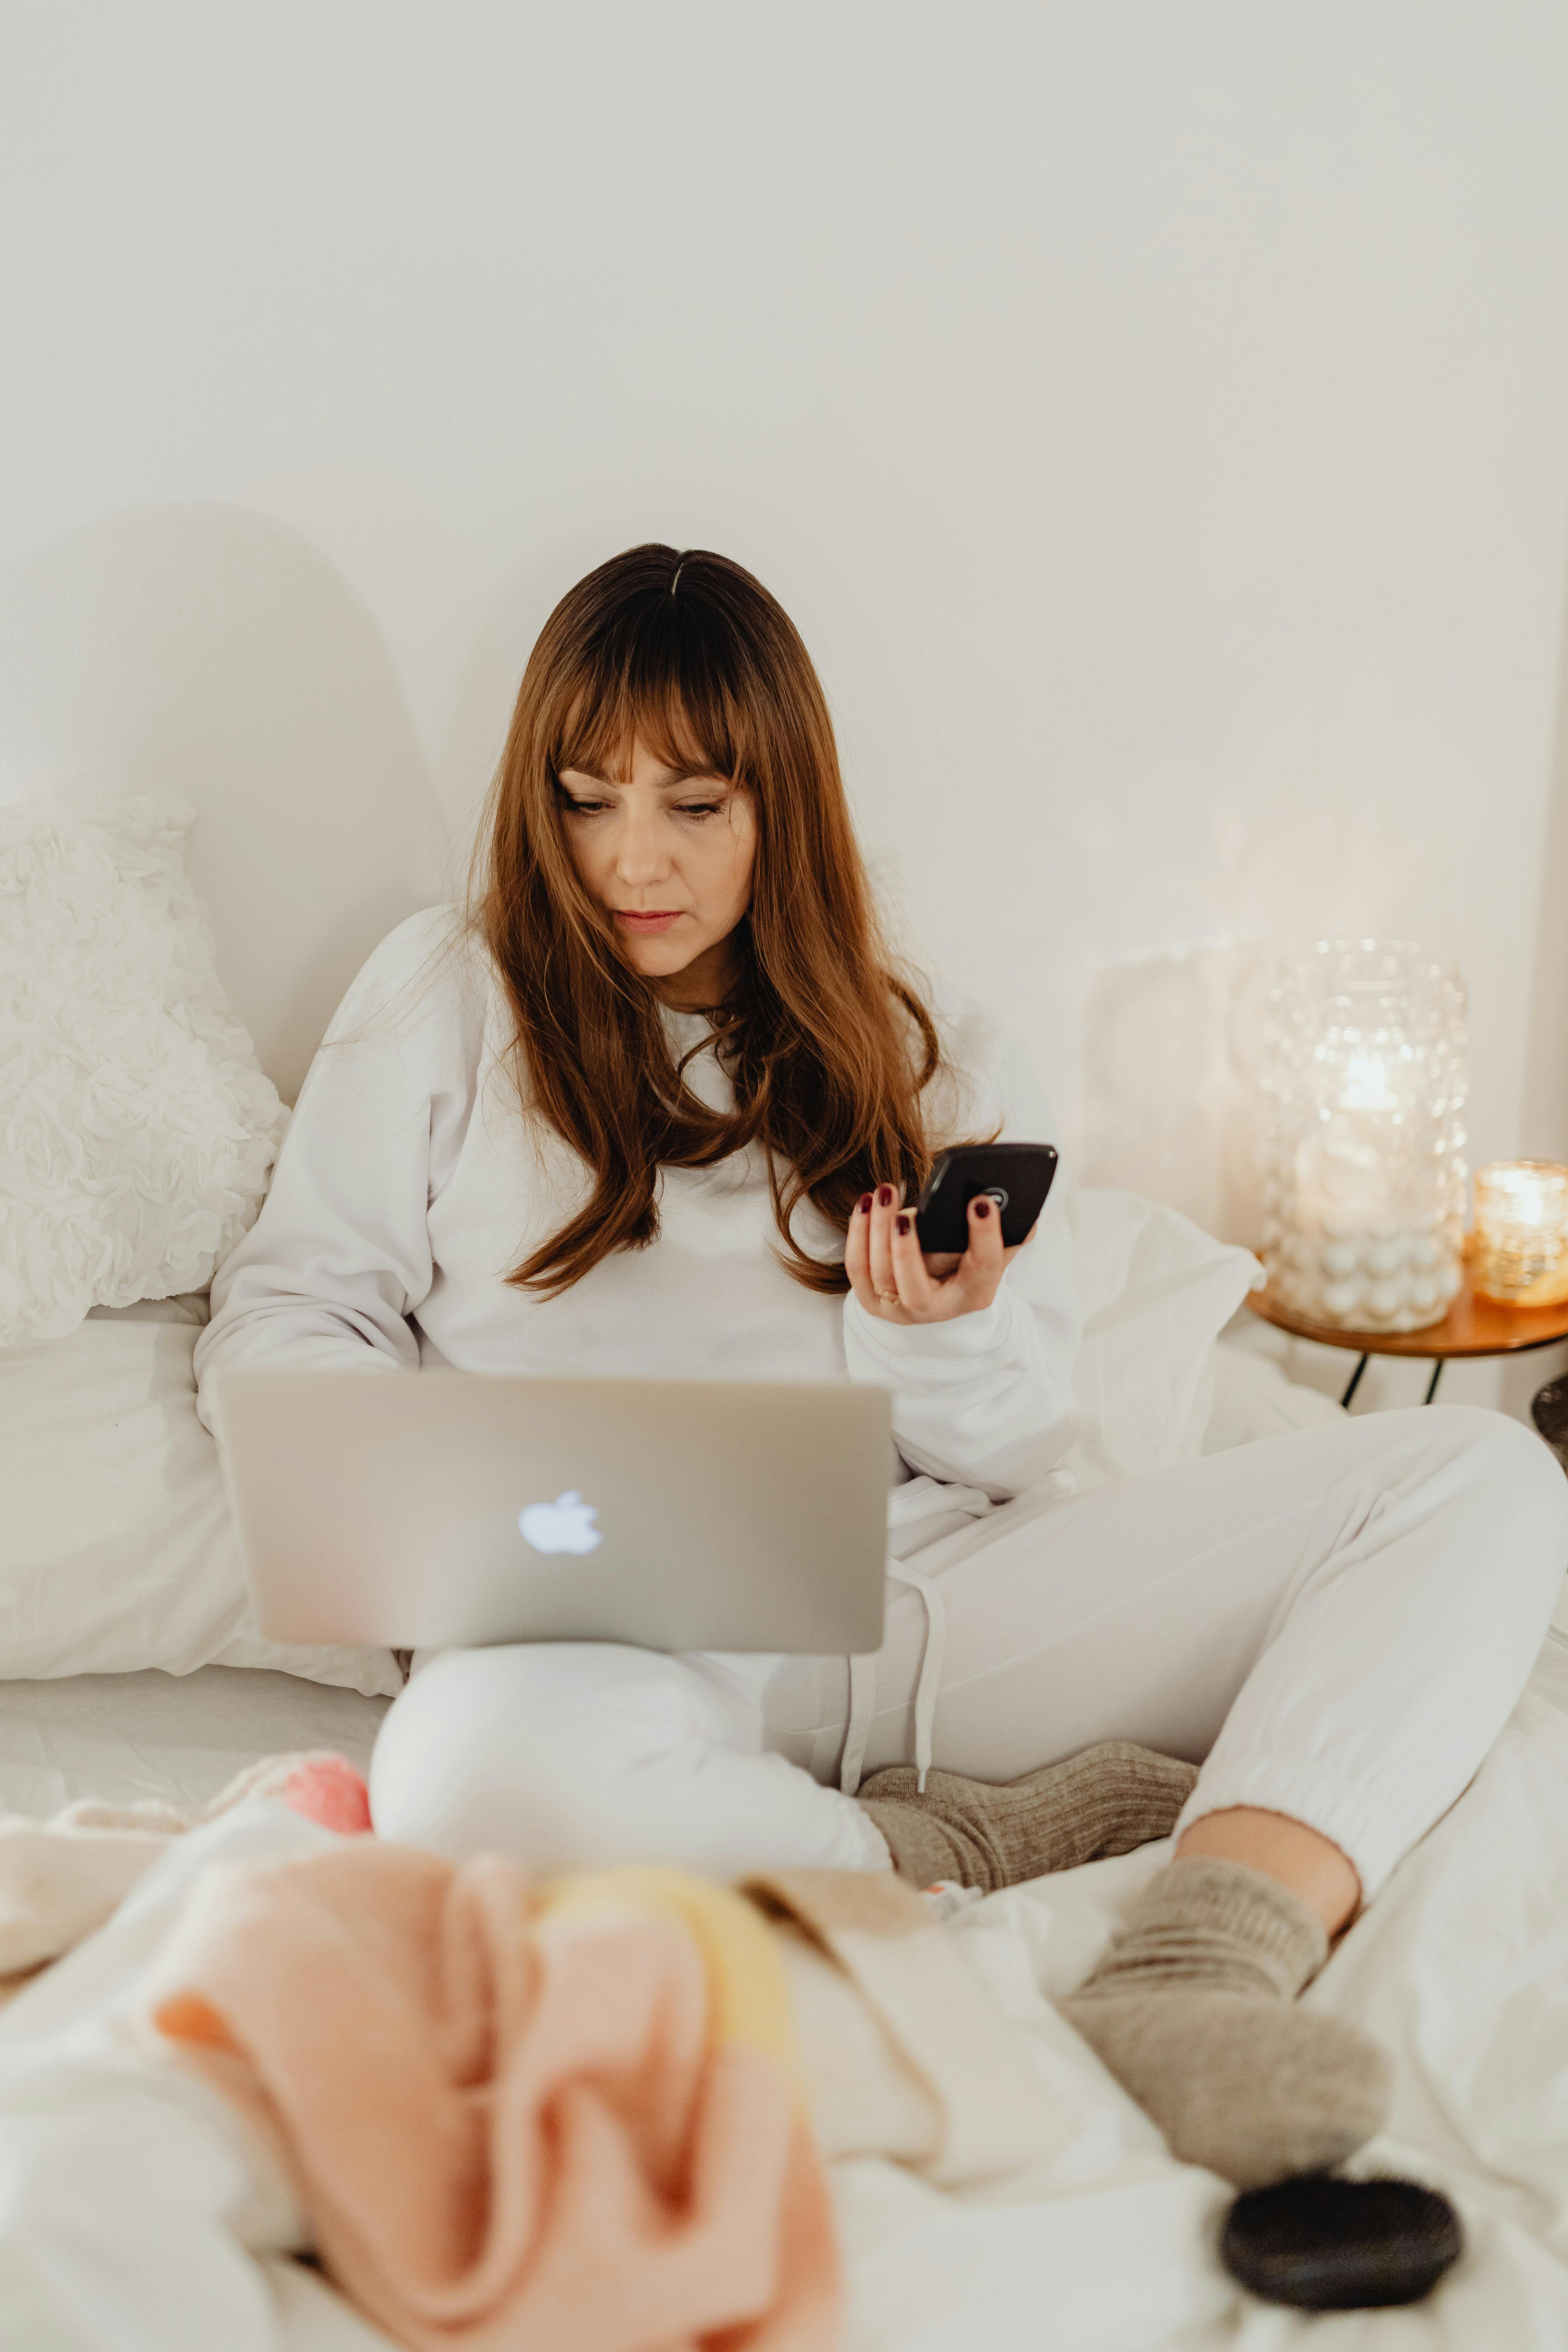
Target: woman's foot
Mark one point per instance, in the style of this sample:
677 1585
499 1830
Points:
1106 1801
1192 2009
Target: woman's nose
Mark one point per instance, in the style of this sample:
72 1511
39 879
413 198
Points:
641 856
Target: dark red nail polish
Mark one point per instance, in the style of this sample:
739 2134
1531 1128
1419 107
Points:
903 1227
983 1208
865 1204
884 1196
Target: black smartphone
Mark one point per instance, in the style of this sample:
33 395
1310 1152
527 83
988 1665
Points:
1017 1176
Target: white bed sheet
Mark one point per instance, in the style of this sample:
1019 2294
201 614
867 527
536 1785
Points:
180 1737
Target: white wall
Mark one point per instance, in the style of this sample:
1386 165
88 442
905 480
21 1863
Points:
1155 415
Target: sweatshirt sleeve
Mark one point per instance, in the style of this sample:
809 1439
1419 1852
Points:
987 1400
339 1256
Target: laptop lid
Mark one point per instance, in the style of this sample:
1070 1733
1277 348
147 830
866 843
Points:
441 1507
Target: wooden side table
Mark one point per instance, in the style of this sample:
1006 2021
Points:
1472 1327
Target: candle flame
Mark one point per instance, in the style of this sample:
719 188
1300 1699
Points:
1366 1084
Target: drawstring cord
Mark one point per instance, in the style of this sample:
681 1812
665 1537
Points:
915 1500
862 1707
863 1687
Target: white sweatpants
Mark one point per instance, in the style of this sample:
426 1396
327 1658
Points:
1335 1623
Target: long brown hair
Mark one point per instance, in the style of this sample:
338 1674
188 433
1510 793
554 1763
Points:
827 1047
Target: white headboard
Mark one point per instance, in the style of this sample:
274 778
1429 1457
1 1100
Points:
208 651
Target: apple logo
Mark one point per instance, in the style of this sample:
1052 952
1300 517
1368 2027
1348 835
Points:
564 1524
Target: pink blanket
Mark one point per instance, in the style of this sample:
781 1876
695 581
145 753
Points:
552 2120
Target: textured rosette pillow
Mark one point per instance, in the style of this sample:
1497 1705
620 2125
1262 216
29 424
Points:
137 1131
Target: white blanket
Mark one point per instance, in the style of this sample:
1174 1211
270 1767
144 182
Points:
124 2196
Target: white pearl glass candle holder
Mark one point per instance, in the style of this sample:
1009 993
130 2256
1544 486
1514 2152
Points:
1362 1137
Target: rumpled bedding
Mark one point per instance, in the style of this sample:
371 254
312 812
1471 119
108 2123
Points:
565 2117
62 1877
587 2115
133 2215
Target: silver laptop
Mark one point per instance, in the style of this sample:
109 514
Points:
434 1509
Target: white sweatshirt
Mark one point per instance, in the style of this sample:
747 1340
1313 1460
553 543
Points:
410 1183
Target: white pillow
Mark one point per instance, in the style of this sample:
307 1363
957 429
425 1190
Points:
137 1131
1155 1291
117 1550
1255 1397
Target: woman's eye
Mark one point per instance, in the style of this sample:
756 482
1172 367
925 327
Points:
700 808
584 808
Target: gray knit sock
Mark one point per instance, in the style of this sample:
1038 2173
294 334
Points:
1106 1801
1191 2010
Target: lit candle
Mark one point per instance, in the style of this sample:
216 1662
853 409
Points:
1521 1229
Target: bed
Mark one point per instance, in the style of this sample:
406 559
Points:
1461 1969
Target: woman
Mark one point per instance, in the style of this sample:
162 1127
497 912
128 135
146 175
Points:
655 1110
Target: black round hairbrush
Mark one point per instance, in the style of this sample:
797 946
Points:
1341 2245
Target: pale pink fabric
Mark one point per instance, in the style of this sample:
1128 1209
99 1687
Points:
326 1789
507 2135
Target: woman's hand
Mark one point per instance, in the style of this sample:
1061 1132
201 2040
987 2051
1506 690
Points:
895 1280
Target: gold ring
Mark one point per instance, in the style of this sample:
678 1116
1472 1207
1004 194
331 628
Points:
887 1297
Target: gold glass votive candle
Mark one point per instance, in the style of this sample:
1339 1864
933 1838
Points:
1521 1227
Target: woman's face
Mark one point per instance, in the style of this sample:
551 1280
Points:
668 854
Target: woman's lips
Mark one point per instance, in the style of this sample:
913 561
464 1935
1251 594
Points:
657 919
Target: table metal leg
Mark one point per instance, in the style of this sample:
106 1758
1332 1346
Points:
1356 1379
1432 1383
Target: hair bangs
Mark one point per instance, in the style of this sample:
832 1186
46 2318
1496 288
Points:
661 679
